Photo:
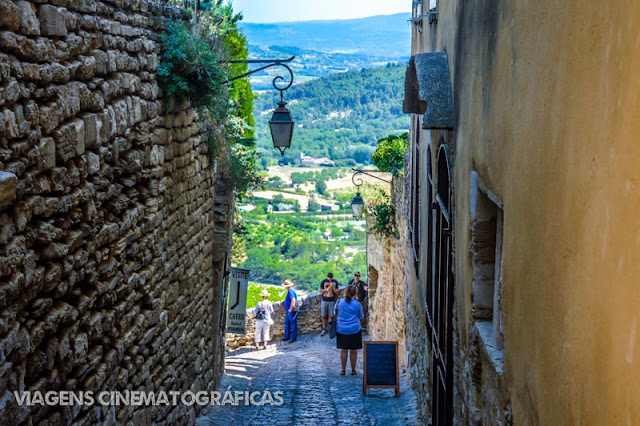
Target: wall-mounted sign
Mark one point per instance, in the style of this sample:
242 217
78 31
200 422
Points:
237 311
381 366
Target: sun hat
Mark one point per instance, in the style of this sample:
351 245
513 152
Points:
287 284
265 293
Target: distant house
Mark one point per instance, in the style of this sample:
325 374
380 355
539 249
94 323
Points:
282 207
305 160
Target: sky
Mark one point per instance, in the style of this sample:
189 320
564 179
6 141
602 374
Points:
307 10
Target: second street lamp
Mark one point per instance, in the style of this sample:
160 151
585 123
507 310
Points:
357 204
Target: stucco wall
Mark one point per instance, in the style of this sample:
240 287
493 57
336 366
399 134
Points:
113 232
547 100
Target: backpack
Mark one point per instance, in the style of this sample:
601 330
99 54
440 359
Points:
261 314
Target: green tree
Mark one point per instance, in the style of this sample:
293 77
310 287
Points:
321 187
389 156
313 206
275 182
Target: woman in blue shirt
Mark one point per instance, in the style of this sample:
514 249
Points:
348 328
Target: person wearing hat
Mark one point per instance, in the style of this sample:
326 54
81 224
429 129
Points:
362 292
263 311
290 321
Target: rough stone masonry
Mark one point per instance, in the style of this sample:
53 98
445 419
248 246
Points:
113 230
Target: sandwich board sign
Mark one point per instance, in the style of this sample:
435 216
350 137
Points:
381 368
237 311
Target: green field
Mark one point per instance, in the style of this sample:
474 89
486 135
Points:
301 247
253 294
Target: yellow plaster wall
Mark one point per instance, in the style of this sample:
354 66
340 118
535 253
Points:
548 102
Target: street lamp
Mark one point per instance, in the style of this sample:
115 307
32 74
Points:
357 204
281 123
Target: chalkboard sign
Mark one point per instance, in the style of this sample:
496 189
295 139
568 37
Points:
381 366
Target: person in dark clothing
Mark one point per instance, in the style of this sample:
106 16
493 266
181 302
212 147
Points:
362 286
362 292
330 290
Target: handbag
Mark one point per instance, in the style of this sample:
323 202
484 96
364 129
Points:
334 323
332 328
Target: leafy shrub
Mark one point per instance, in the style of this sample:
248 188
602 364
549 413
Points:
189 68
389 156
384 222
381 208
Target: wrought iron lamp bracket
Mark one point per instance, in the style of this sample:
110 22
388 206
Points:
278 80
358 182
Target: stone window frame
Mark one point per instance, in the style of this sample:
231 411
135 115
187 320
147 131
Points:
487 257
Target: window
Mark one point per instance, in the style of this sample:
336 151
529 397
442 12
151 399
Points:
416 12
415 196
433 12
430 241
486 260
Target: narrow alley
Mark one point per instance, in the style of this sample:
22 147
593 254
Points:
314 392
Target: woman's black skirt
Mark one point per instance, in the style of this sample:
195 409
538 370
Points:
349 341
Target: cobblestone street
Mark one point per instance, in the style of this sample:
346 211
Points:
314 392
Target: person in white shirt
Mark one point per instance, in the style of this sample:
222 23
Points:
263 311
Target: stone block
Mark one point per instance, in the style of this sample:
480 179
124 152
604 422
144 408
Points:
10 124
9 15
29 24
48 153
52 21
50 116
87 69
11 91
8 186
93 164
65 137
91 130
156 156
78 126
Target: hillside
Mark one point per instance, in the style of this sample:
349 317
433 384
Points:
340 116
382 36
310 64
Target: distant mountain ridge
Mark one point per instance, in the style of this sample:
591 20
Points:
381 36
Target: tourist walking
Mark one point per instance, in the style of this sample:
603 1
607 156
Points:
363 291
263 311
348 328
290 304
330 290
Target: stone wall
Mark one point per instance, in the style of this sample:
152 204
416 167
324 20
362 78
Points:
309 322
387 263
113 232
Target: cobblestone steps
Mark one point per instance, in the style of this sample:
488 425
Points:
307 372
